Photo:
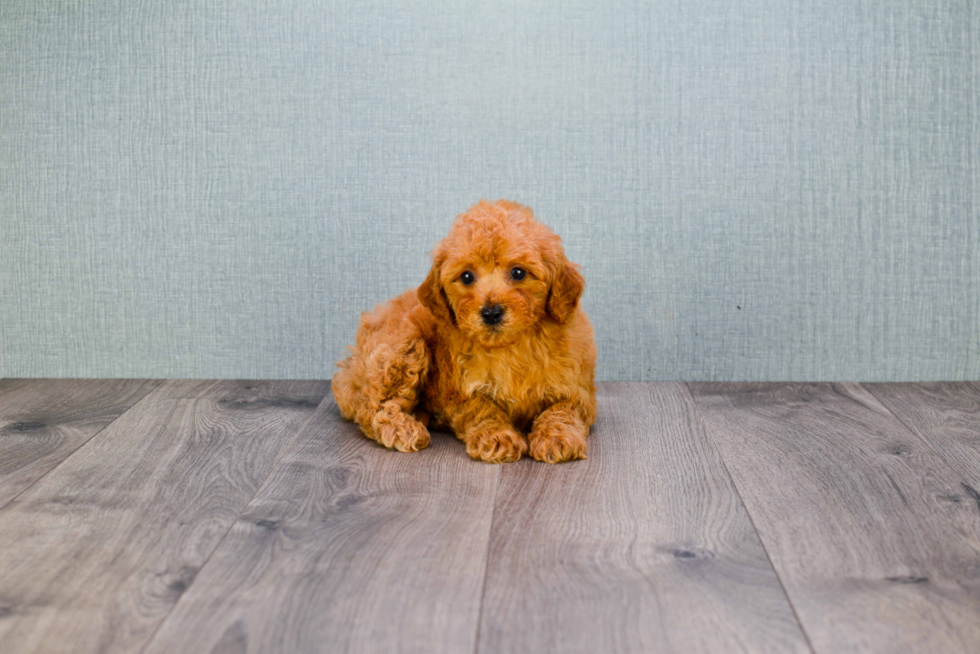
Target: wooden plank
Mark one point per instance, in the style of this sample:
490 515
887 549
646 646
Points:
853 509
347 548
946 417
97 552
643 547
247 393
42 421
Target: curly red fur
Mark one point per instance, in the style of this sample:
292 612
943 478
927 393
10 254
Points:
427 358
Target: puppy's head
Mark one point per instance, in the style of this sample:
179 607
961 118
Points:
499 273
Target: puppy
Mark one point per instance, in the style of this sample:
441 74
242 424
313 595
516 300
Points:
492 346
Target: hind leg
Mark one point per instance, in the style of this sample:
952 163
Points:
396 428
379 385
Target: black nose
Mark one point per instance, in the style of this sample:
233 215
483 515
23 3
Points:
492 314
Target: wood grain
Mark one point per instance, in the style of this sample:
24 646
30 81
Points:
347 548
42 421
97 552
856 514
946 416
643 547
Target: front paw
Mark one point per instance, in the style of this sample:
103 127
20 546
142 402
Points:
557 442
400 431
501 445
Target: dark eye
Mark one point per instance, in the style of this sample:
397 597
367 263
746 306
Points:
467 278
517 274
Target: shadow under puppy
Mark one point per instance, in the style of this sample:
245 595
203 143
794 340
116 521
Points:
492 345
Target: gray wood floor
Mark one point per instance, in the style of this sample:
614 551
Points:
246 516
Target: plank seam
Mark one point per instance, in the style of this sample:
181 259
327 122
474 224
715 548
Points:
84 443
918 436
748 513
941 459
486 563
901 422
231 525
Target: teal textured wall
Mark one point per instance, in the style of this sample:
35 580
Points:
756 190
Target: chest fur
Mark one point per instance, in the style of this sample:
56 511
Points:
522 380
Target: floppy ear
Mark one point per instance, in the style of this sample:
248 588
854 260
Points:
434 298
567 285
